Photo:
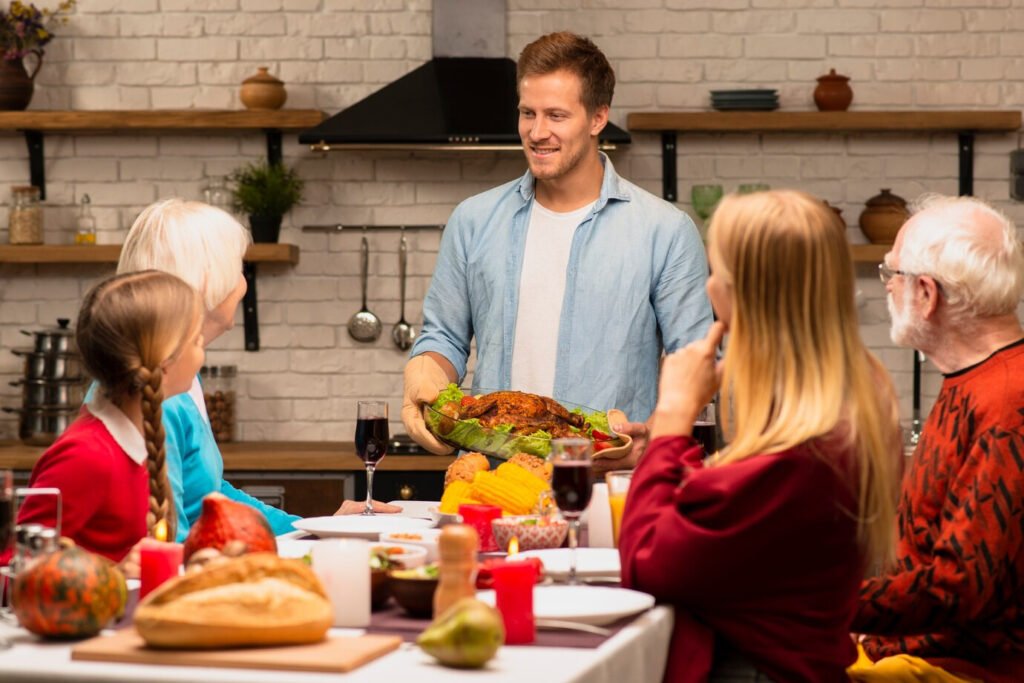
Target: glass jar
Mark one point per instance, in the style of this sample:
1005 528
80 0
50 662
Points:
85 224
219 392
26 216
216 194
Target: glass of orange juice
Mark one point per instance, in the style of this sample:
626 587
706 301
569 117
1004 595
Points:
618 487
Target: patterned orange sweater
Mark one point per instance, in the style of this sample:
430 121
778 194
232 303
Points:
956 594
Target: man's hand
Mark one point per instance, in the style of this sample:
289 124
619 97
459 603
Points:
635 430
356 507
424 380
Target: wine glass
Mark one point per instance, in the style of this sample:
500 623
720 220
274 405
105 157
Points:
750 188
371 441
572 482
704 198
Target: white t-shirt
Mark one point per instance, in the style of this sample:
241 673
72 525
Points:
541 290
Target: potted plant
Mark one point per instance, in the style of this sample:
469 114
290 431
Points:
266 192
24 30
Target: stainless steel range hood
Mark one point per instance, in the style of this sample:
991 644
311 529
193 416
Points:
462 99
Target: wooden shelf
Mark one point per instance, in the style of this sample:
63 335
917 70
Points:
167 119
109 253
824 121
270 456
869 253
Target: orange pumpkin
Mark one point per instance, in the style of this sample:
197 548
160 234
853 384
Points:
224 520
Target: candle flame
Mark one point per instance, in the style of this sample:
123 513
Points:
160 530
513 546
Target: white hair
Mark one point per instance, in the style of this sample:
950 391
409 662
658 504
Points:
201 244
971 249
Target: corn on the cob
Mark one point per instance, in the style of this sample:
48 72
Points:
510 496
520 475
454 495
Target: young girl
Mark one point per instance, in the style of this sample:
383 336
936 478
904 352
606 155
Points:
140 338
761 548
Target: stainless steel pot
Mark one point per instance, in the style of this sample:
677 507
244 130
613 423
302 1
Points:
42 426
51 366
59 339
43 393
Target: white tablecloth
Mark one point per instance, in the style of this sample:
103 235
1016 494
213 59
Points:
636 654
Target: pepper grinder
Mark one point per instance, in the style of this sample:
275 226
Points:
456 570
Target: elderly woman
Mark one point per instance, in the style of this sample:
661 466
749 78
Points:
761 547
203 246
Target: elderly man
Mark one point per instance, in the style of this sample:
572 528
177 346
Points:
955 597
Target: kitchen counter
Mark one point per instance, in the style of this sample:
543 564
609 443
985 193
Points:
271 456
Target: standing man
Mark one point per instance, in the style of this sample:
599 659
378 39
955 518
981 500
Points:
955 596
572 279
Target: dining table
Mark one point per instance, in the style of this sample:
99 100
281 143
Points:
636 650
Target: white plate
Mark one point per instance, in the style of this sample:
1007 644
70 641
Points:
293 547
583 604
359 526
590 562
415 508
442 518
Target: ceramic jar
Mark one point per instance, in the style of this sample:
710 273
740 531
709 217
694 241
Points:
833 92
263 91
16 84
884 215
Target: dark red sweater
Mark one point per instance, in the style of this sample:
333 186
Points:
760 554
105 493
956 595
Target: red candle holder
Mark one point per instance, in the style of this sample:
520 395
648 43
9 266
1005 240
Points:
513 590
479 517
158 562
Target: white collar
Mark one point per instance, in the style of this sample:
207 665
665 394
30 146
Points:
195 392
120 427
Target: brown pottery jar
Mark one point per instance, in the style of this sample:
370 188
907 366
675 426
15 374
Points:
263 91
884 215
833 92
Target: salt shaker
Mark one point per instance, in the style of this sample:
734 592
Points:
456 570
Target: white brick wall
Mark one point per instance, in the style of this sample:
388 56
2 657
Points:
931 54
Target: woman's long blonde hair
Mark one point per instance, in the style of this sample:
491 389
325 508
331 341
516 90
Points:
795 368
129 325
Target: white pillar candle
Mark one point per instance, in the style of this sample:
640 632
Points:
344 568
599 518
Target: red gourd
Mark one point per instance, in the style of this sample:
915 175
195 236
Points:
223 521
69 593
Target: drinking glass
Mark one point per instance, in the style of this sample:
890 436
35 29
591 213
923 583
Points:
704 198
572 482
748 188
371 441
618 486
704 429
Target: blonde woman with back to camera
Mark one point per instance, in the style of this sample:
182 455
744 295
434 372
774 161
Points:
761 547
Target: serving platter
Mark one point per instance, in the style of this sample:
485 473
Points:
359 526
595 605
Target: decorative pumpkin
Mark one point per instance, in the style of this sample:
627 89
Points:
69 593
223 521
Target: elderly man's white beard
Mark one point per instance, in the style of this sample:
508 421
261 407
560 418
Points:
906 329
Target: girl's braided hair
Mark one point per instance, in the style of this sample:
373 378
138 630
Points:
129 326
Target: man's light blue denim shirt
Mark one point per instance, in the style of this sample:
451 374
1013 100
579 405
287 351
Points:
634 286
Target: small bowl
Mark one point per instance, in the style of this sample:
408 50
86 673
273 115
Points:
414 595
533 531
406 555
425 538
378 588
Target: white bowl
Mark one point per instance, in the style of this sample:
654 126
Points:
407 555
425 538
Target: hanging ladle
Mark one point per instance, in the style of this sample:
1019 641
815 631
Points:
364 326
403 334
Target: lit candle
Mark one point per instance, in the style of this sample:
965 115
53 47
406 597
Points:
513 546
513 589
479 517
158 562
344 569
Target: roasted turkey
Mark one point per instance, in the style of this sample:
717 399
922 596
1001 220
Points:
527 413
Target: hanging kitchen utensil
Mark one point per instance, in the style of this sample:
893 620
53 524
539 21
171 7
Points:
403 334
364 326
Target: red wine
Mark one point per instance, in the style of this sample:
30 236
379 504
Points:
572 482
372 439
704 432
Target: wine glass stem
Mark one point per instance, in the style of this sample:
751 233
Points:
369 490
574 526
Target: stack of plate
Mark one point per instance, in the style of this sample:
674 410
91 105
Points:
745 100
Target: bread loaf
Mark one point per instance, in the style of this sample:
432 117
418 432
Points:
256 599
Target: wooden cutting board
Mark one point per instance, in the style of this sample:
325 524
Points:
338 654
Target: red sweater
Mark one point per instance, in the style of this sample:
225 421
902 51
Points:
761 554
956 596
105 493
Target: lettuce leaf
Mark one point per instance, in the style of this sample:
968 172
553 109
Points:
599 421
451 393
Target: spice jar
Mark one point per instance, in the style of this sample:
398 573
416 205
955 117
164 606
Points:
219 392
26 216
85 224
216 194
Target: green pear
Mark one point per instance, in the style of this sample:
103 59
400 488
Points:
465 636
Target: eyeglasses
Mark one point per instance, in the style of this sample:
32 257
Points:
885 273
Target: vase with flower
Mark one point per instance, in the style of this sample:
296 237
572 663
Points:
24 31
